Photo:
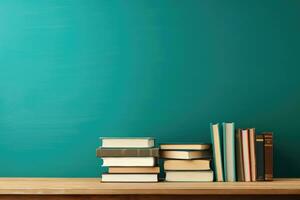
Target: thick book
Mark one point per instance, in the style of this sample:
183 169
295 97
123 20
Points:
252 153
217 151
189 176
129 178
185 154
133 170
127 152
185 146
268 148
246 155
239 156
229 152
260 160
129 161
142 142
182 165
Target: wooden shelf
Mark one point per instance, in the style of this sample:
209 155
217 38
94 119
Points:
93 186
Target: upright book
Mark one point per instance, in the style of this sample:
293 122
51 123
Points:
268 149
229 152
217 151
252 153
260 160
246 155
239 156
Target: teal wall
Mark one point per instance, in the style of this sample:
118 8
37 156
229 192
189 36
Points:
75 70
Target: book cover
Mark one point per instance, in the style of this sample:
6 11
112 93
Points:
252 153
216 139
239 156
260 160
127 152
268 149
229 152
246 154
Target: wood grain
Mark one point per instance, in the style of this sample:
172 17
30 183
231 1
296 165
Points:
93 186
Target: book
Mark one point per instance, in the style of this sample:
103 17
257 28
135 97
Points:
133 170
111 142
185 154
217 151
185 146
229 152
127 152
239 156
246 154
268 149
252 153
187 165
128 161
189 176
260 160
129 178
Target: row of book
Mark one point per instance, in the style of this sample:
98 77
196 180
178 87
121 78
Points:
241 155
136 160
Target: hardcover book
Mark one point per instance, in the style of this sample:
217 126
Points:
129 178
133 170
127 152
169 154
217 151
268 149
252 153
239 156
229 152
185 146
246 155
182 165
129 161
260 160
142 142
189 176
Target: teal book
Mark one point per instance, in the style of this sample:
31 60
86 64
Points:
229 152
216 139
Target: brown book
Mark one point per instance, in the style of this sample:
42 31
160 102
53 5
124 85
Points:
268 148
187 155
252 153
133 170
127 152
186 165
239 156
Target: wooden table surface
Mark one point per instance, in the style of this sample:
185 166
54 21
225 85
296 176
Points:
93 186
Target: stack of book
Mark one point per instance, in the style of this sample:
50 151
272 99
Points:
241 155
129 159
187 162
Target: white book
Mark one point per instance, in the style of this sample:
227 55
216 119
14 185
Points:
229 151
129 161
127 142
246 155
189 176
129 178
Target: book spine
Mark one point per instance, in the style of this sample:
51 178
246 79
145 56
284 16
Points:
260 160
225 152
252 153
239 156
217 154
246 155
268 149
103 152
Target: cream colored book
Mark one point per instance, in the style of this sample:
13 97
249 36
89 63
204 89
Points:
187 165
189 176
129 161
185 154
125 142
133 170
129 178
185 146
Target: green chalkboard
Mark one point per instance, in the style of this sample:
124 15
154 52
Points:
75 70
